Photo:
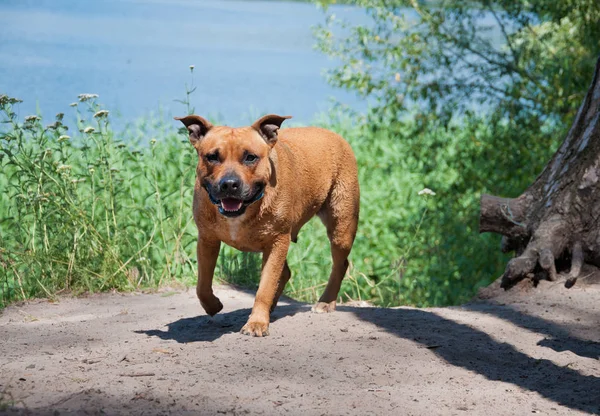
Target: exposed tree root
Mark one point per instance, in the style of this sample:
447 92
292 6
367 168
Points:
547 262
505 216
547 244
576 264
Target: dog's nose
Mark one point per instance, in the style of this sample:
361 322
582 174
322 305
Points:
229 184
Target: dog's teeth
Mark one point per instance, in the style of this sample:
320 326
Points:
231 205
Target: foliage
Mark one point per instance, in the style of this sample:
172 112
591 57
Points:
518 58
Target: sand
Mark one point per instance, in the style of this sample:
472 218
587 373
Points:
515 353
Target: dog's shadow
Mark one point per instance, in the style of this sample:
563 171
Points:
204 328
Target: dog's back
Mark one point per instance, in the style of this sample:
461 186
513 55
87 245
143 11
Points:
321 168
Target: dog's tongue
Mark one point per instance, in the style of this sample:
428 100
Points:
231 204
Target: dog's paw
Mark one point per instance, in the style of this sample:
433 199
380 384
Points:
256 329
212 306
324 307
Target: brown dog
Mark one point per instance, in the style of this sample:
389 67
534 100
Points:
255 188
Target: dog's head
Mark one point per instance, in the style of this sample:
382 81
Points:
233 163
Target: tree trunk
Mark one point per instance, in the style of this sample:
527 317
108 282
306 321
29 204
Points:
554 226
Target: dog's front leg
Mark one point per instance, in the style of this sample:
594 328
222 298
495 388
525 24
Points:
208 252
274 260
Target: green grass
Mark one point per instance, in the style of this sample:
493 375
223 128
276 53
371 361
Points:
95 210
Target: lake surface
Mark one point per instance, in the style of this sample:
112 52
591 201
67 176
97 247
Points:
250 57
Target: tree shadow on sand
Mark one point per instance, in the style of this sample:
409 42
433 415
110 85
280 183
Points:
474 350
207 329
557 338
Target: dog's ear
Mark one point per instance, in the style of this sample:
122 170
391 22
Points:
268 125
197 127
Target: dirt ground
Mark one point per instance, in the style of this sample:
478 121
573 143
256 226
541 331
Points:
514 354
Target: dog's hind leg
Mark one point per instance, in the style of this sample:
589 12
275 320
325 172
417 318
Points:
340 216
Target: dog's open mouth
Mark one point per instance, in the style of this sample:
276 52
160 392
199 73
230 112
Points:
231 204
234 207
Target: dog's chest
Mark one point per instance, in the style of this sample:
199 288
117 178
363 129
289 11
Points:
234 228
234 232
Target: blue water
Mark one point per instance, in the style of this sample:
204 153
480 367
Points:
250 57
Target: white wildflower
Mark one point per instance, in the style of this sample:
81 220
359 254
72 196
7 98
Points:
86 97
101 113
153 141
60 168
64 138
31 118
89 129
5 99
73 104
192 67
426 191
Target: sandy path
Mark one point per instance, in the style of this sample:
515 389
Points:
154 354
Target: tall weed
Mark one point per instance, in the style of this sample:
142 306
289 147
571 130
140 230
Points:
92 210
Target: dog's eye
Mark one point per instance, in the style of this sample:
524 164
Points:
250 158
212 157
